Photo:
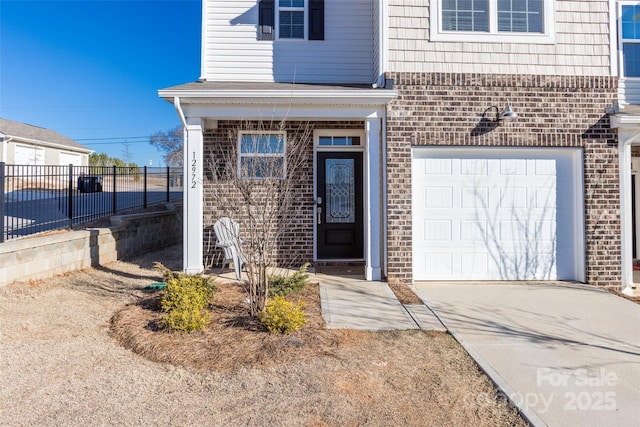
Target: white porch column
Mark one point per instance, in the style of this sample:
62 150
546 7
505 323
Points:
624 159
193 192
373 207
626 208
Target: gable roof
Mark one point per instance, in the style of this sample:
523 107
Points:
37 135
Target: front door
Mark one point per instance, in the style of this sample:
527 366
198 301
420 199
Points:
339 205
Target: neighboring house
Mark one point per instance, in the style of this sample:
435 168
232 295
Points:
416 98
24 144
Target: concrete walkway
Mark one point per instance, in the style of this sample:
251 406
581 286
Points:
565 355
353 303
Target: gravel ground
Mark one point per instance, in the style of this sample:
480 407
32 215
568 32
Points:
60 367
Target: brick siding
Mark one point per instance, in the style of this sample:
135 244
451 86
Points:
446 109
296 245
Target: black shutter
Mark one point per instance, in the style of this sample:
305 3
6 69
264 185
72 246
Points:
316 19
266 20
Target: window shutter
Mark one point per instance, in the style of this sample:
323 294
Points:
316 19
266 19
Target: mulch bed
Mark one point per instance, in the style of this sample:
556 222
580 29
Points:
231 341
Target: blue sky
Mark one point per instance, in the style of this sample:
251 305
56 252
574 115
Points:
91 69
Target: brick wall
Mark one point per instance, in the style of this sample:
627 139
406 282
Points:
296 244
446 109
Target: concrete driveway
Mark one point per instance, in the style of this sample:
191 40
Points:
565 354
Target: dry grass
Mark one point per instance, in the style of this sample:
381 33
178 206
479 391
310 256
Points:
405 294
410 378
62 366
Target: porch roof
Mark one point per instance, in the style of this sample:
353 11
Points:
269 92
626 116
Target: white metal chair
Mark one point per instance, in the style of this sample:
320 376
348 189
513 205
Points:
228 239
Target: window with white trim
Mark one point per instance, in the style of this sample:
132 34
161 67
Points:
630 39
291 19
261 155
515 21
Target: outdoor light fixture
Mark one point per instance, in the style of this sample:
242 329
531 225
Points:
506 114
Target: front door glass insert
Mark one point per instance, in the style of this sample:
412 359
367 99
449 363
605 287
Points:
340 191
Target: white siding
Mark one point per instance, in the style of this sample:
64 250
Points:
231 51
629 91
581 44
375 25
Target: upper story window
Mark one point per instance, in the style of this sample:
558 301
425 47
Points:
630 39
504 21
291 19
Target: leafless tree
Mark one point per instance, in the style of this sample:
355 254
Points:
255 182
171 143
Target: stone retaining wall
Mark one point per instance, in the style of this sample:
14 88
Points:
42 257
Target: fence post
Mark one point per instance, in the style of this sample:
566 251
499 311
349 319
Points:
168 182
70 196
2 175
115 195
144 197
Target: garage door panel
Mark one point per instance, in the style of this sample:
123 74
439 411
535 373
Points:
482 214
436 166
474 264
438 197
473 231
514 197
474 197
513 167
439 263
474 167
435 230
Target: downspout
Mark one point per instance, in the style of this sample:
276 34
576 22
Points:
178 107
385 222
185 231
383 47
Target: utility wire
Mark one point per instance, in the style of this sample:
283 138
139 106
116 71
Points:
112 138
114 142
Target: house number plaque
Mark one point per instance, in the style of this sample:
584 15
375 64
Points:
194 162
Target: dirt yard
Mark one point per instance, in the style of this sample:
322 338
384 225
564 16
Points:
66 359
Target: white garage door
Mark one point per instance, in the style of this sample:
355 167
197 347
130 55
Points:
70 159
29 155
497 214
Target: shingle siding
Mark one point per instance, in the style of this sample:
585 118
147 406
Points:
581 44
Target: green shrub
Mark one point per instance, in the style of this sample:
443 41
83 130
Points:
186 320
185 299
281 316
283 285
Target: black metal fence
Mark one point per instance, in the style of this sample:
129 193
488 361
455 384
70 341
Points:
44 198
